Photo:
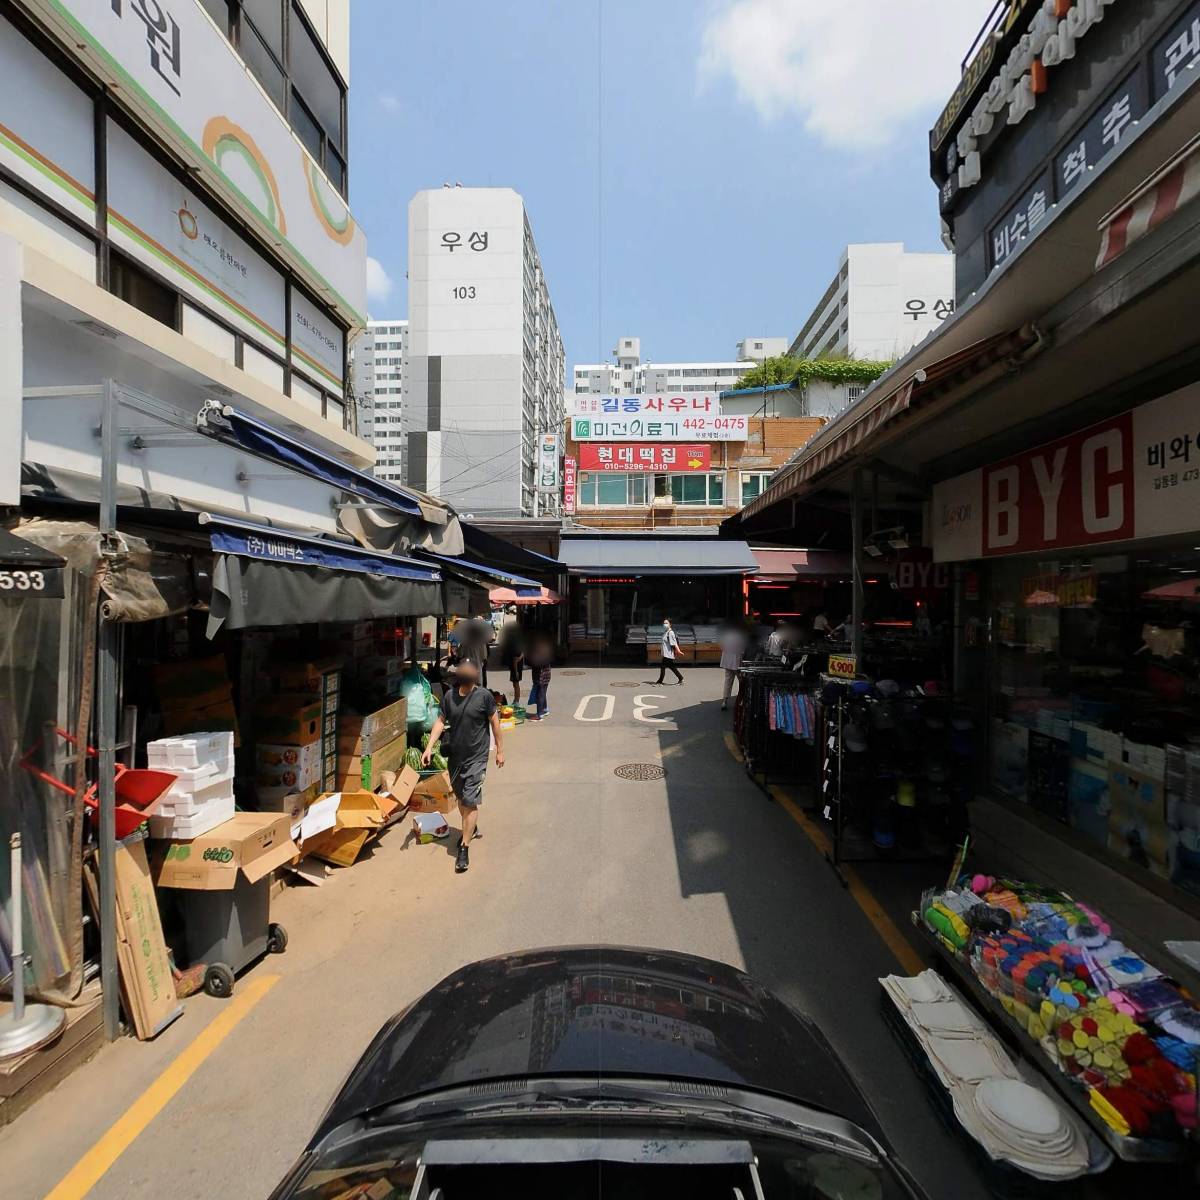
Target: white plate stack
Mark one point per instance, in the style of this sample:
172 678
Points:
201 798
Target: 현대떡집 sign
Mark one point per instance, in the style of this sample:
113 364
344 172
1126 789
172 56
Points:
648 457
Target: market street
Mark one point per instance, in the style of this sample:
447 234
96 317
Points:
699 862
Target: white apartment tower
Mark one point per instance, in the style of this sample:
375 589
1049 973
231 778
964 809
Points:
485 369
881 303
379 356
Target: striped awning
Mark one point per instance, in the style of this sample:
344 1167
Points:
1153 203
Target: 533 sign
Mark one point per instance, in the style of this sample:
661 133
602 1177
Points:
44 582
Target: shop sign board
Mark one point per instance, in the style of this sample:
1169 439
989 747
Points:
917 573
548 462
843 666
21 583
318 343
707 404
160 221
1059 591
652 428
1134 476
176 68
570 466
635 456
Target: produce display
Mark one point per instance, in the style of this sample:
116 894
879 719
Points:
437 760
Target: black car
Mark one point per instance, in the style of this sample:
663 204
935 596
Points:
597 1072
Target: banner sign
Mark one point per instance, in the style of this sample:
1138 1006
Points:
659 429
647 457
569 468
20 583
1134 476
159 221
183 77
307 552
548 462
318 344
708 404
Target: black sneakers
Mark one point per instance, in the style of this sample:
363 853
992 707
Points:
463 861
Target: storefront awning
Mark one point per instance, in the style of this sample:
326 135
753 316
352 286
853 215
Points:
264 576
483 575
781 566
16 553
684 556
485 547
227 424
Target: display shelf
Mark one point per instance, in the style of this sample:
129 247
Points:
1128 1149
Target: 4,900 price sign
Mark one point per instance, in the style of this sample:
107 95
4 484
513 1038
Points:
843 666
17 581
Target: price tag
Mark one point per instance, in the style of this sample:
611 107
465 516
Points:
843 666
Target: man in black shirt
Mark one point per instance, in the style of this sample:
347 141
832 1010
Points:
468 712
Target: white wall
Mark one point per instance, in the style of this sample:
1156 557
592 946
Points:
10 370
883 281
331 20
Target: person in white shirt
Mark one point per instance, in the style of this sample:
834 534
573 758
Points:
733 650
820 623
670 648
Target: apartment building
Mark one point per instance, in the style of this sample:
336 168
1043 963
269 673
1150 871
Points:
882 302
485 369
173 219
628 375
378 357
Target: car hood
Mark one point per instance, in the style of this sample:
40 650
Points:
600 1012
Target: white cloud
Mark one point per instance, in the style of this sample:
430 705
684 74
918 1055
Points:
853 72
389 101
379 282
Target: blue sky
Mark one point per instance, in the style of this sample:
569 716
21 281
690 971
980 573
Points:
691 169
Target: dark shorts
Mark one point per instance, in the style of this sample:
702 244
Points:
516 673
468 784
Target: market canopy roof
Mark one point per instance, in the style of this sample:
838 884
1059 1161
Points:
17 552
781 565
543 595
264 576
497 552
483 575
228 424
606 554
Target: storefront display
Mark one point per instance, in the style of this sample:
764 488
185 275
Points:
1118 1037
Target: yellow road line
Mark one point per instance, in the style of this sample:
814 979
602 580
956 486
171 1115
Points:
733 748
85 1174
887 929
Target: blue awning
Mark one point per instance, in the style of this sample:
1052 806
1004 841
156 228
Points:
248 540
239 429
485 575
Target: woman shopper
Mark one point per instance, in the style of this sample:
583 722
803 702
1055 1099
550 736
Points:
541 661
670 648
512 653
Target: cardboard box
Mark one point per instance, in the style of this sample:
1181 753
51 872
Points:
433 794
360 817
288 719
302 676
287 800
282 765
366 771
141 948
362 734
252 843
401 784
218 717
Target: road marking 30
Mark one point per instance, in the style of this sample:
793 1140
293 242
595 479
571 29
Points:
640 708
609 703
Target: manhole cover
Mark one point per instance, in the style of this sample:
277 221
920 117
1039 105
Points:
640 772
574 672
620 684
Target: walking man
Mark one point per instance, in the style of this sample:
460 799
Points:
670 648
733 649
468 712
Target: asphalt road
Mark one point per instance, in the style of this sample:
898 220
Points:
699 861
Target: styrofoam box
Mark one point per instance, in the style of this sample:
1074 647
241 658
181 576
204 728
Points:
190 780
180 828
191 751
184 801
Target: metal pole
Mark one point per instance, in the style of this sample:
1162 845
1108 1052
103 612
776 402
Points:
106 726
856 549
18 933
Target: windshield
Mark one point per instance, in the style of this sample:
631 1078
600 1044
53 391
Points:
625 541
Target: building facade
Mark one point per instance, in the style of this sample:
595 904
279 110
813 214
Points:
378 357
676 484
628 375
882 302
485 370
172 218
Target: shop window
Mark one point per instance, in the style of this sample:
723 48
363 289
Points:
262 366
612 489
264 66
204 331
587 489
267 19
219 11
135 286
306 127
314 78
716 489
753 486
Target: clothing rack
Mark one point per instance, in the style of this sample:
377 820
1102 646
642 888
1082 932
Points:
770 736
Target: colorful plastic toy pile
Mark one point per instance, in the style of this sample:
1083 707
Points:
1104 1015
